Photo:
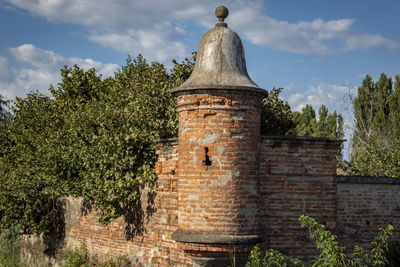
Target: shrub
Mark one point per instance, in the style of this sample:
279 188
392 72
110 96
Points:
77 257
332 252
9 247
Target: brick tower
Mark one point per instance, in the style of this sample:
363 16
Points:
219 110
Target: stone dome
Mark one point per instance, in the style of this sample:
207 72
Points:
220 62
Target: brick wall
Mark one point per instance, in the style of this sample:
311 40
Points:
152 245
365 204
296 177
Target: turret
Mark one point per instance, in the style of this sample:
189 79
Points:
219 110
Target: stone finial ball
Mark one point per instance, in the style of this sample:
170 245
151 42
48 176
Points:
221 13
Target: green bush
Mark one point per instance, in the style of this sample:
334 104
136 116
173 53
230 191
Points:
121 261
9 247
77 257
332 253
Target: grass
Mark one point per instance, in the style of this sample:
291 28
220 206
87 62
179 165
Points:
9 248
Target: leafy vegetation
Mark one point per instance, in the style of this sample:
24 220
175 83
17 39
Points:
278 118
78 257
376 136
9 247
92 137
332 253
328 125
3 105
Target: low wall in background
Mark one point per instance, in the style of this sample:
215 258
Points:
365 204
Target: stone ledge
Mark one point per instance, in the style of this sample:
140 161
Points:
367 180
301 138
210 238
219 88
210 262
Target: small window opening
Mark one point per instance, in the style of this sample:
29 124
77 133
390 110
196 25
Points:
206 160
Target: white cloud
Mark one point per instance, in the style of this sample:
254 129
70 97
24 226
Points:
340 30
49 61
159 43
117 15
154 27
308 38
46 70
5 71
41 59
334 97
266 31
27 80
330 95
320 30
364 41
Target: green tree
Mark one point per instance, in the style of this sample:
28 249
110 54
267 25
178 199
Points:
119 130
376 136
93 138
394 110
276 116
306 122
31 166
3 105
329 125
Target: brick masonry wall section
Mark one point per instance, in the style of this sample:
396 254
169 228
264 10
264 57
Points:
218 169
218 161
365 204
151 245
297 176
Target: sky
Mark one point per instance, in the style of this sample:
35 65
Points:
319 51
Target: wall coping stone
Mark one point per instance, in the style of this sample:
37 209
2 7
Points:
282 137
366 180
301 138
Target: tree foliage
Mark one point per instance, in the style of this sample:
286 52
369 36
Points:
3 105
332 253
9 247
376 137
117 129
329 125
278 118
92 137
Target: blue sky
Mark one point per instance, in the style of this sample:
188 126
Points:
317 50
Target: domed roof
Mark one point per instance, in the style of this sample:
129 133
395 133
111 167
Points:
220 62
